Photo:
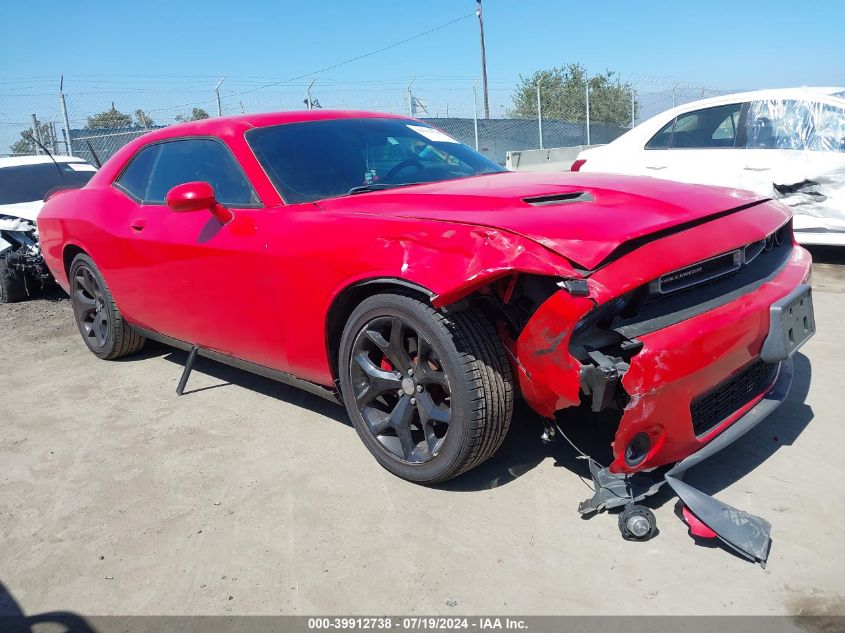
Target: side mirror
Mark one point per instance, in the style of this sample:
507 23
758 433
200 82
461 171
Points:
197 196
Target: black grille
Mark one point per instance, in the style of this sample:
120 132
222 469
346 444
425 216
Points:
700 273
713 407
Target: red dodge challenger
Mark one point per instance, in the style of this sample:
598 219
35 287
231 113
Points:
374 259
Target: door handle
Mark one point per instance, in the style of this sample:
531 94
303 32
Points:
655 167
749 168
138 225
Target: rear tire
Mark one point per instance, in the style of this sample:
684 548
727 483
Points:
100 323
430 394
12 283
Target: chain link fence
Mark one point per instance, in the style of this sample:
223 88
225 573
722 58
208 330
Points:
93 118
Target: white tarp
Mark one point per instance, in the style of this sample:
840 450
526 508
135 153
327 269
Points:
808 173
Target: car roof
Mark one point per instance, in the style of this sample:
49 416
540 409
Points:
240 123
17 161
805 93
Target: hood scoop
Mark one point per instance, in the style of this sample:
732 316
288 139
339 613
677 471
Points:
559 198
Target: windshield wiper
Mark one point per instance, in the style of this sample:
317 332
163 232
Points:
376 186
379 186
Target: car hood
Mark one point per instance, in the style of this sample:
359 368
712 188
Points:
584 217
26 210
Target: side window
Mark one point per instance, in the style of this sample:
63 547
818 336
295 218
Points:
135 177
661 139
727 128
189 160
830 129
709 128
779 124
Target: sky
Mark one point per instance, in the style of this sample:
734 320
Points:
162 55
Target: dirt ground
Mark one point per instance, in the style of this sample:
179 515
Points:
245 496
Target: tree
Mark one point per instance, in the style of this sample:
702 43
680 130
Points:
563 96
143 119
197 114
109 118
26 145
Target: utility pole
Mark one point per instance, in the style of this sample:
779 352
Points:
217 92
478 12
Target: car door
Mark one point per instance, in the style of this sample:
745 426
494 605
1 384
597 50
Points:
778 132
796 151
698 147
198 280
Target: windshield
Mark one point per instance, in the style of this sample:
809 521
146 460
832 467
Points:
28 183
321 159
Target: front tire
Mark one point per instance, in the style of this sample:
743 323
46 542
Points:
431 395
100 323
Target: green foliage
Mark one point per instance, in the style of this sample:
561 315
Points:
197 114
142 119
112 118
563 96
26 145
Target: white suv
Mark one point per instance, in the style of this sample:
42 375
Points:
787 144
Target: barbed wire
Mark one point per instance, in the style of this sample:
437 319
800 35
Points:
160 100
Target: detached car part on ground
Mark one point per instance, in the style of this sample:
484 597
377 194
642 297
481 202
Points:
375 260
786 144
24 183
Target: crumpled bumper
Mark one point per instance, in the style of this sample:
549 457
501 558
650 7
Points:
746 534
675 369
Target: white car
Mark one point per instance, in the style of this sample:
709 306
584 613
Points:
787 144
24 183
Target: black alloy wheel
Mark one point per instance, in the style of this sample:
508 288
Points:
429 393
89 307
400 389
100 323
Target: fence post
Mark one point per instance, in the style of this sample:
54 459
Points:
539 115
411 98
36 134
217 92
587 103
475 114
308 103
633 108
67 124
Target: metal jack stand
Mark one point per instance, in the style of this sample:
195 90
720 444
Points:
189 365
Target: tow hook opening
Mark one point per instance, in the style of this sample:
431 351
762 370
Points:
601 381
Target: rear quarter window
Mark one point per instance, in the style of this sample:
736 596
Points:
136 175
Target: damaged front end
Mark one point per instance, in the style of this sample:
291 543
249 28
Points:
690 359
22 267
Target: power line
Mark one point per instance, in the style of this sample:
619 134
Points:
343 63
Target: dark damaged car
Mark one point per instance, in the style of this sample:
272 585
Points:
24 183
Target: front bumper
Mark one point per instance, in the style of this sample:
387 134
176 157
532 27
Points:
746 534
674 368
